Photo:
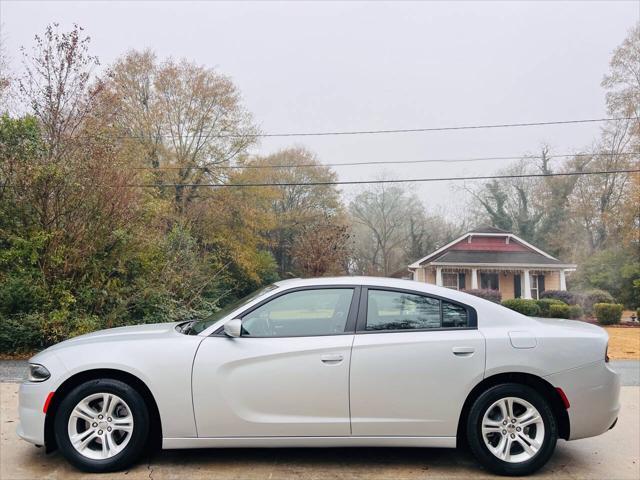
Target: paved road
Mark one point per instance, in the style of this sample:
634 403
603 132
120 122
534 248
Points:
629 370
614 455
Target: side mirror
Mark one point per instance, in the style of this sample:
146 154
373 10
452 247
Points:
233 328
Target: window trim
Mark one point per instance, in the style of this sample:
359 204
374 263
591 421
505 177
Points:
457 274
361 325
349 327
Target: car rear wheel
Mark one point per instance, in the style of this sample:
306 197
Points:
102 425
512 430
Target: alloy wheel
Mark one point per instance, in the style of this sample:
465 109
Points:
513 430
100 426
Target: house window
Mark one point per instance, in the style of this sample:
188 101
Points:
453 280
450 280
537 286
489 281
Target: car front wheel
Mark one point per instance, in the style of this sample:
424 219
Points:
102 425
512 430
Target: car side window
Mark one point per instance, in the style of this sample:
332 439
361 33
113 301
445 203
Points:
454 316
391 310
401 311
301 313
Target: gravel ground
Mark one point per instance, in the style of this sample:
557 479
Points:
13 371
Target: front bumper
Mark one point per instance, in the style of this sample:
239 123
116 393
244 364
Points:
32 397
593 392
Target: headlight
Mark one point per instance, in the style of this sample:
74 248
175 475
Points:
37 373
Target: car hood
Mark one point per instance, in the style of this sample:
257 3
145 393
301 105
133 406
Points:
135 332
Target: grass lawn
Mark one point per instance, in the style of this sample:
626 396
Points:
624 343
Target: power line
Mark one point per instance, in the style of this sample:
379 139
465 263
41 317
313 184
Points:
364 182
383 162
377 132
438 129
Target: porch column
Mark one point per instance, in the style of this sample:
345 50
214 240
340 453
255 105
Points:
439 276
563 281
474 278
527 284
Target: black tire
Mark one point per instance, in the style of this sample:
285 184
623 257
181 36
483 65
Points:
139 436
476 441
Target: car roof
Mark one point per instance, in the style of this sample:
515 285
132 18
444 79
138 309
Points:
384 282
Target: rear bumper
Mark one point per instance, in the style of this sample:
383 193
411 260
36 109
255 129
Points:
593 391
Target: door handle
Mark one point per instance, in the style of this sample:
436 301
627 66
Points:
332 359
463 351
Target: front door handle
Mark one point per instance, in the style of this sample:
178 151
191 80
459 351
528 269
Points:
332 359
463 351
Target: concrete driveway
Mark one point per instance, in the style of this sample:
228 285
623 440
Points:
614 455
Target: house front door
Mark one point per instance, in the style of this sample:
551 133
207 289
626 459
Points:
517 286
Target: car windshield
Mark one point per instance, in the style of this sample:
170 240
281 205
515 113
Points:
199 326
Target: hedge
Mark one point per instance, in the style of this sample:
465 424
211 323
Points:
608 313
545 305
591 297
575 311
522 305
570 298
492 295
560 310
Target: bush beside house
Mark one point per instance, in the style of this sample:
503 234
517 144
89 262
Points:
575 312
570 298
522 305
545 305
608 313
492 295
591 297
560 310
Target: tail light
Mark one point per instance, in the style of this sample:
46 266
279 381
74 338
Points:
563 397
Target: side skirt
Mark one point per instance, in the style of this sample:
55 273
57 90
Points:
265 442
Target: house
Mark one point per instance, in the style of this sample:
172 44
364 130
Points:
491 258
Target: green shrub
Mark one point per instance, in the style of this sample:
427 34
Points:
523 306
559 311
545 305
21 333
608 313
591 297
575 311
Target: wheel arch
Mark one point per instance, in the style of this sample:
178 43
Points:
155 421
534 381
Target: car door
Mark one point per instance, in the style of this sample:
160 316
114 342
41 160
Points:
288 372
415 358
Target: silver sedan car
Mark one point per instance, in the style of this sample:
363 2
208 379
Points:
331 362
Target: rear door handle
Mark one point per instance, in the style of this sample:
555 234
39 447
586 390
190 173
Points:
332 359
463 351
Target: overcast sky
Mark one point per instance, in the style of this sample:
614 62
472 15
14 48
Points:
362 65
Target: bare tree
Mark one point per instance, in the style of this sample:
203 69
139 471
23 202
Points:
189 119
5 77
382 214
57 88
623 82
599 200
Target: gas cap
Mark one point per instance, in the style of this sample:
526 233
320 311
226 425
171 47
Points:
522 339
